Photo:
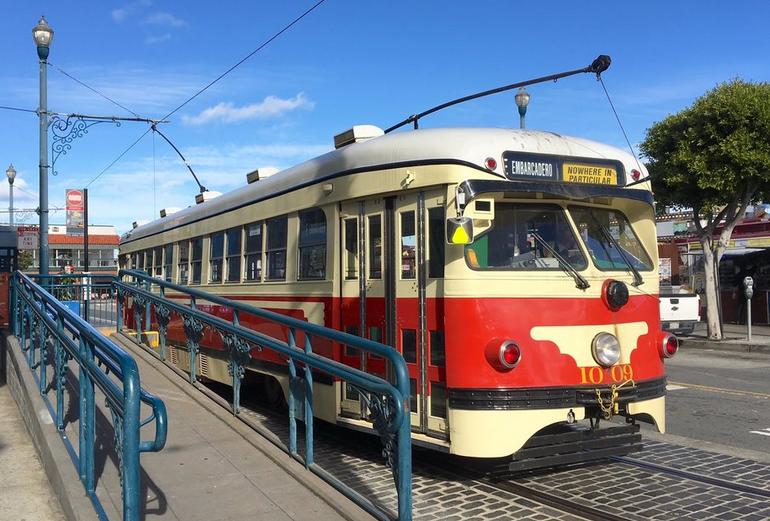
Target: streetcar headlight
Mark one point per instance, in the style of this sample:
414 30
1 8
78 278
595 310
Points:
606 349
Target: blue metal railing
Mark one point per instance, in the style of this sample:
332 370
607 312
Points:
39 318
89 295
387 402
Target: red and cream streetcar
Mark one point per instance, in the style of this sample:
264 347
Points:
515 271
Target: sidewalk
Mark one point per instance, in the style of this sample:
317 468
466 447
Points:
24 489
735 339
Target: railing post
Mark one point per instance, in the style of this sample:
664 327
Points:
87 419
60 371
119 310
42 336
130 446
193 330
163 316
404 453
308 406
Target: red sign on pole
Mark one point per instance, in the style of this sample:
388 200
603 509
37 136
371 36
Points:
75 207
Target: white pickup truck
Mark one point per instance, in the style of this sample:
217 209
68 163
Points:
679 312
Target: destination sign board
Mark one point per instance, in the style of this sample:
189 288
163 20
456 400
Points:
520 166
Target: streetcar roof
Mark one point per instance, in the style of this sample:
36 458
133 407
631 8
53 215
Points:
398 149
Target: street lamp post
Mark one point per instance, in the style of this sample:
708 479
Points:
522 100
43 35
11 173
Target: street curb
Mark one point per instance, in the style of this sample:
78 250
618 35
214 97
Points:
724 345
219 408
61 472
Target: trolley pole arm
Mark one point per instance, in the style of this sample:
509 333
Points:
598 66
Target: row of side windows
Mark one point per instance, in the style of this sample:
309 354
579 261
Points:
238 253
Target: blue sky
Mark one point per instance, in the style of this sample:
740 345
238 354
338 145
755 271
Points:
349 62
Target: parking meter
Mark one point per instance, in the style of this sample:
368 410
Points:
748 285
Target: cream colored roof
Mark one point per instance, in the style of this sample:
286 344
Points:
464 145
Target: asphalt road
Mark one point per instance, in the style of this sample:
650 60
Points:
722 397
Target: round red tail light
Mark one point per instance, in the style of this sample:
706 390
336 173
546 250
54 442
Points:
490 163
636 174
670 346
510 354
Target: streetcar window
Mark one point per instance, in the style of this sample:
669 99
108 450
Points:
158 261
168 260
438 400
351 248
375 247
183 266
408 246
217 250
595 223
197 259
437 355
526 237
233 255
276 247
409 345
312 245
436 243
253 253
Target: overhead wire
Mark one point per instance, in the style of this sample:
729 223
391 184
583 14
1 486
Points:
623 130
84 84
5 107
132 145
252 53
201 91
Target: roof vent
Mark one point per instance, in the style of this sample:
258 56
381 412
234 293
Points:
168 211
134 225
206 196
357 134
252 177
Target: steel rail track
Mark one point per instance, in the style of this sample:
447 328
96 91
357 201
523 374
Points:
552 500
693 476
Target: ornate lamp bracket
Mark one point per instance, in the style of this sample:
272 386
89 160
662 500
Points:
66 129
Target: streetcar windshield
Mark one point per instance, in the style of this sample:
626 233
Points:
595 224
526 237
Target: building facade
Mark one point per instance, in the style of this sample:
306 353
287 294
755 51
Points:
66 252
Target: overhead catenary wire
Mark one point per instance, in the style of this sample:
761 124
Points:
132 145
6 107
84 84
252 53
623 130
201 91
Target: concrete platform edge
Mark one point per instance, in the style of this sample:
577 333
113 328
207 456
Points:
57 464
728 345
335 499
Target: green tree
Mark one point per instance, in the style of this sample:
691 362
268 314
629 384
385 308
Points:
713 159
24 259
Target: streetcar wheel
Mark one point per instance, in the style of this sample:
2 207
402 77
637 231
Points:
273 393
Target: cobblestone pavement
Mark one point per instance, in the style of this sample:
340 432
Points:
737 470
616 488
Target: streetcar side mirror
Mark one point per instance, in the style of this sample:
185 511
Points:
459 230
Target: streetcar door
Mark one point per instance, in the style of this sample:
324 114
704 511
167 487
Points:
363 303
418 246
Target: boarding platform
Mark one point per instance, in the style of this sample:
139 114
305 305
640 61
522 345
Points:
122 435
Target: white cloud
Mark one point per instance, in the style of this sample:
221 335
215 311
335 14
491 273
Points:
271 106
163 18
119 15
151 40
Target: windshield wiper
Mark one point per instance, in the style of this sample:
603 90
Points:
580 281
638 280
